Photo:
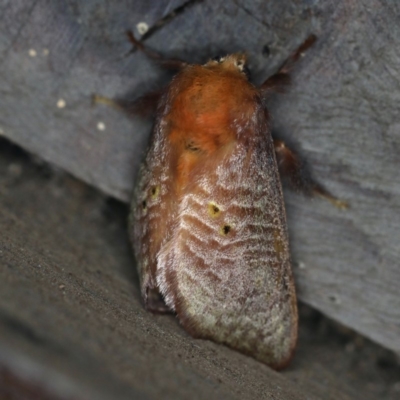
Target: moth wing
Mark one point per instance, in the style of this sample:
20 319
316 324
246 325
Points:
152 216
226 269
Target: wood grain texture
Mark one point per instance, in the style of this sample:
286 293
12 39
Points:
341 114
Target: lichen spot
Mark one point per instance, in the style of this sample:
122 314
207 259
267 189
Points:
155 191
142 28
278 244
225 229
214 210
61 103
101 126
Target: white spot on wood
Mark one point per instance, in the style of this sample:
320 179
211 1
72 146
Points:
101 126
45 52
301 265
61 103
32 52
142 28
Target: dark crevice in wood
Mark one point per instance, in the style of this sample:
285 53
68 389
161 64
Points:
168 18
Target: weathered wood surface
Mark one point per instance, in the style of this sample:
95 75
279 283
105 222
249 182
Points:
341 113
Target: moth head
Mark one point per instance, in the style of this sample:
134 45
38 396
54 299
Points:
233 62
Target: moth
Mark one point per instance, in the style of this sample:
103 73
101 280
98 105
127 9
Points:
207 222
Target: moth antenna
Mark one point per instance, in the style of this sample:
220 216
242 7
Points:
281 78
321 192
173 64
98 99
278 82
288 64
290 166
144 106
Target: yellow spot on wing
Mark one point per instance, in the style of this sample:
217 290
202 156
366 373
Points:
155 191
278 243
213 209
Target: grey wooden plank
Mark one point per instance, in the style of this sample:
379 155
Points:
341 114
